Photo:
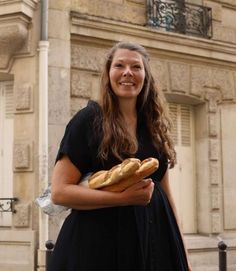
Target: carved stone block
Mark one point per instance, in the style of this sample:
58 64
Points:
21 217
13 35
215 223
200 78
179 77
87 58
113 9
222 33
214 172
215 197
23 98
213 97
81 84
160 73
224 80
22 157
43 165
59 95
27 46
212 122
213 149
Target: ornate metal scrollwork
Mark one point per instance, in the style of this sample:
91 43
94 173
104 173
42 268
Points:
178 16
7 205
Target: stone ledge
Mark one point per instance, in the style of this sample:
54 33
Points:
227 3
213 268
204 252
87 26
26 7
200 242
17 250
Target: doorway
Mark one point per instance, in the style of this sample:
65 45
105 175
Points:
183 176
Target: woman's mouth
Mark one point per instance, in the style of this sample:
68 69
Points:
127 83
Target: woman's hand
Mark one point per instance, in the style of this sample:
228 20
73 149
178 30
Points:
65 190
139 193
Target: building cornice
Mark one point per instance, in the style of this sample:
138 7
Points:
227 3
26 7
15 18
109 30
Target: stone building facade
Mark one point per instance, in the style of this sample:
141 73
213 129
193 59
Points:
51 53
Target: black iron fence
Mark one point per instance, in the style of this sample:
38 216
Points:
49 249
222 256
180 17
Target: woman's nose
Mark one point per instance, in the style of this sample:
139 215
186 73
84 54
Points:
127 71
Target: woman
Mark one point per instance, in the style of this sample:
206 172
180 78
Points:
135 229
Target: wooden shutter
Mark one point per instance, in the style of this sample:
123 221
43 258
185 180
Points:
6 146
182 177
181 121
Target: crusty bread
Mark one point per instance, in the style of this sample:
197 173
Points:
115 174
120 177
148 166
95 180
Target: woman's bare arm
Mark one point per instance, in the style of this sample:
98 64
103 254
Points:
67 192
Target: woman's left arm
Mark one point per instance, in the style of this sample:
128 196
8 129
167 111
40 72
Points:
166 187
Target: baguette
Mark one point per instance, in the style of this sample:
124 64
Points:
115 174
123 175
96 180
147 167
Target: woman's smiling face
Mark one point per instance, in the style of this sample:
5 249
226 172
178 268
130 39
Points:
127 74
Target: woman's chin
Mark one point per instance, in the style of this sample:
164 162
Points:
128 95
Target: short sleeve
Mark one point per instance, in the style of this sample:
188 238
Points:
163 165
74 143
163 161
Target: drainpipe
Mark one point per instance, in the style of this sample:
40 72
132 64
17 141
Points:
43 119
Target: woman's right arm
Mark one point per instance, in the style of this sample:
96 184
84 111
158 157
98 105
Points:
67 192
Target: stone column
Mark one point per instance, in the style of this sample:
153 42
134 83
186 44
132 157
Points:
212 97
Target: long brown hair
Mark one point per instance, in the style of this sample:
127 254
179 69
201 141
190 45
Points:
150 103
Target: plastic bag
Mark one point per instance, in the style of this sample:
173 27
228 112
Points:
48 207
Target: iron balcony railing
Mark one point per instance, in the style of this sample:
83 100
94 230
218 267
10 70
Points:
180 17
7 205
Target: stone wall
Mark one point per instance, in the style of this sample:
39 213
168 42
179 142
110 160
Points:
130 11
189 70
18 63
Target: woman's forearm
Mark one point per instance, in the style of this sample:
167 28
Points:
67 192
79 197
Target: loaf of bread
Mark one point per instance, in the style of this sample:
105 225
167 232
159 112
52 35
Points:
123 175
115 174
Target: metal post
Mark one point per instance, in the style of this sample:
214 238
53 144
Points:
49 245
222 256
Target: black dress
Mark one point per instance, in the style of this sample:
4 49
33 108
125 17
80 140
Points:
131 238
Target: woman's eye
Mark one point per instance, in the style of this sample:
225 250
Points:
137 67
117 65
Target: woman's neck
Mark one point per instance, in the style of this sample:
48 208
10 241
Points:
129 113
128 109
